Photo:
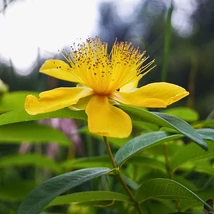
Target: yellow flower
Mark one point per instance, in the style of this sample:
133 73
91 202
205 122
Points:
103 80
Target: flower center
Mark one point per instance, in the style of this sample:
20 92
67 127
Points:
103 72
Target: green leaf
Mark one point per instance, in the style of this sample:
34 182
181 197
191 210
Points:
144 141
31 133
184 113
204 123
117 142
43 194
183 128
29 160
13 100
206 169
89 197
164 188
20 115
206 133
165 120
186 204
140 114
203 166
15 191
3 88
190 152
148 162
149 127
179 213
185 181
88 162
159 205
171 147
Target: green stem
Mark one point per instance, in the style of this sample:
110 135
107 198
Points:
90 149
170 173
137 206
168 168
167 43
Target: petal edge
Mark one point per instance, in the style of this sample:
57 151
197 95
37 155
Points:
58 69
55 99
154 95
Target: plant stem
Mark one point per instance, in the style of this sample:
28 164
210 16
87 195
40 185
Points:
170 173
137 206
168 168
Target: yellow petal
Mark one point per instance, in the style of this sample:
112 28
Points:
107 120
54 99
131 85
154 95
59 70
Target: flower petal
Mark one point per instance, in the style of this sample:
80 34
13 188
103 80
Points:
154 95
55 99
131 85
59 70
107 120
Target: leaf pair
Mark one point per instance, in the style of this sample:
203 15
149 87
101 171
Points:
43 194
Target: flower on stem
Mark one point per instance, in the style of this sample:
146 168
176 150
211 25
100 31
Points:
103 80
